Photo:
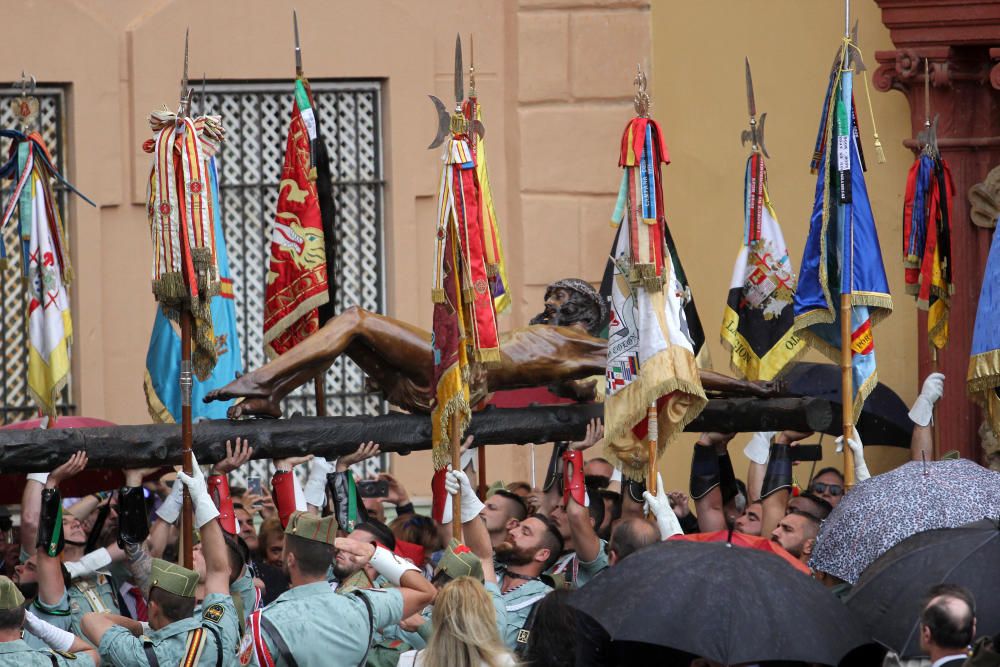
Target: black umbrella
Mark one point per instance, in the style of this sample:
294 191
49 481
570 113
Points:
888 595
884 419
725 603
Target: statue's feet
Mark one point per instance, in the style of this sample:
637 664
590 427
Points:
244 386
254 407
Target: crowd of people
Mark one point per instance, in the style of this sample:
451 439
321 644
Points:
315 574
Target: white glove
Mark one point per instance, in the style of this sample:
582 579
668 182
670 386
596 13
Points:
171 507
454 480
391 566
759 447
315 491
55 638
857 448
89 564
40 477
468 459
922 412
659 505
204 509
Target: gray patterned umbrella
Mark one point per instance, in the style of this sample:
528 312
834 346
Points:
881 512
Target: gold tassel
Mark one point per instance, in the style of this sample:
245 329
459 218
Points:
437 295
879 153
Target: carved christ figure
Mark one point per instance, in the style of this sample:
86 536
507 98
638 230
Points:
558 348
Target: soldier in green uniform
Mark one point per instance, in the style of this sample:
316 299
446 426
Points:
65 648
58 604
531 548
309 624
177 637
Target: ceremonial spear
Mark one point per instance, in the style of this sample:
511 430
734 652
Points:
186 375
185 268
319 386
842 259
464 329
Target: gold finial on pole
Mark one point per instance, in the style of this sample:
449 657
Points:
642 103
25 105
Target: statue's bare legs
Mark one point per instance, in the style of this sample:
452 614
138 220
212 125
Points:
385 349
398 358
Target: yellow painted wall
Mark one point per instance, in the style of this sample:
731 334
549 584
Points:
699 97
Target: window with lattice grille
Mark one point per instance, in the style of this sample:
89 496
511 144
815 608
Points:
15 401
256 118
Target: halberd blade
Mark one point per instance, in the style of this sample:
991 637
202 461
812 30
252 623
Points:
859 62
298 47
184 78
459 73
751 103
444 122
760 135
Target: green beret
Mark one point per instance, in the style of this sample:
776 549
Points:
173 578
459 561
10 595
313 527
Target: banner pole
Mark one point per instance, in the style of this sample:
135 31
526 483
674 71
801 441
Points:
186 384
847 386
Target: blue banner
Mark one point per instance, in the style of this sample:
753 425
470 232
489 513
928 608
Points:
163 360
842 253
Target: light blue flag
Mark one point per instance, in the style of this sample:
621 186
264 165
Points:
984 362
842 253
163 360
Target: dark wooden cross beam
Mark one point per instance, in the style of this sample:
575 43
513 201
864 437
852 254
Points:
160 444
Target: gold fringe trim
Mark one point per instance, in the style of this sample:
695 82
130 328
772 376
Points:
452 399
984 372
157 410
774 362
438 295
629 406
489 356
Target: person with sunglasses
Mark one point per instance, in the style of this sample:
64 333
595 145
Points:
828 484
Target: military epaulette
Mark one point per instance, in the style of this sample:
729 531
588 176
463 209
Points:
64 654
50 612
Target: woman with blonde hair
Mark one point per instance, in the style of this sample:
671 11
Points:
465 631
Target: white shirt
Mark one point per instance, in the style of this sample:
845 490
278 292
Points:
947 658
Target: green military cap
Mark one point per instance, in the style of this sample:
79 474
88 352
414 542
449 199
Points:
173 578
459 561
10 596
313 527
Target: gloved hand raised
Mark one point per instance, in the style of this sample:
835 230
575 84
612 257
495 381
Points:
857 448
659 505
204 509
456 481
922 412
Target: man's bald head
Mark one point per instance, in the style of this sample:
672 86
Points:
631 535
948 618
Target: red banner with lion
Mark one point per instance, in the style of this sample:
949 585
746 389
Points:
296 275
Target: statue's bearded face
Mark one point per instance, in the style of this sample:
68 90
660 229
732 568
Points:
565 307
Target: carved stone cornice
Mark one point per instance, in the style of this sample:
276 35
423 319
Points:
923 23
903 69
